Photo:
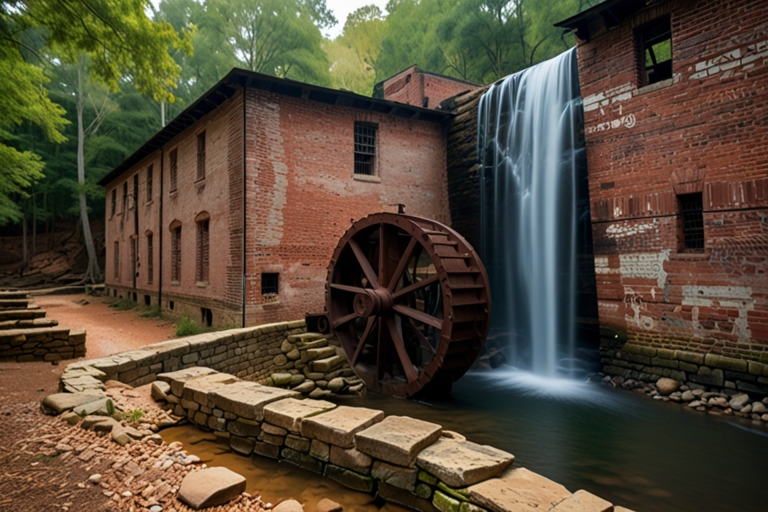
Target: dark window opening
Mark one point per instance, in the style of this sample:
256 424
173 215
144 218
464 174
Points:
114 293
135 297
116 260
207 317
174 169
365 149
655 51
133 258
149 182
171 305
125 196
202 251
135 192
150 256
176 254
147 300
201 156
692 215
269 287
114 201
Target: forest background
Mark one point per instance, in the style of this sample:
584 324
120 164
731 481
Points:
84 83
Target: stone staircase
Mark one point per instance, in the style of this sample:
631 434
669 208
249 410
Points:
26 334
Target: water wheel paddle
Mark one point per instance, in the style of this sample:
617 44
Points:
409 300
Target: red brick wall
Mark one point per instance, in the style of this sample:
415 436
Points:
412 86
705 130
302 194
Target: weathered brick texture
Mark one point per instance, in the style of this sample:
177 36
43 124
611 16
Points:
704 130
416 87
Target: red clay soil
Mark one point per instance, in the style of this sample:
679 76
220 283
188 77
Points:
29 478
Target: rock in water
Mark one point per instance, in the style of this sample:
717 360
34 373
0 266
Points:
210 487
326 505
667 386
738 402
289 506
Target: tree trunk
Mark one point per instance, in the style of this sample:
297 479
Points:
93 274
23 243
34 223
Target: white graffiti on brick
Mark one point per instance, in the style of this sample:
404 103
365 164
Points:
728 63
722 297
276 156
634 302
602 266
624 229
645 265
614 95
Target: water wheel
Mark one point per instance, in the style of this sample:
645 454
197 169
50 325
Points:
409 300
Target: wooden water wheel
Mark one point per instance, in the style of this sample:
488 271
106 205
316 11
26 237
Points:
409 300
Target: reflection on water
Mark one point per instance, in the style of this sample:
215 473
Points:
620 445
274 481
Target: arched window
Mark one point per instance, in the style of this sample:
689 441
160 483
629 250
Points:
202 220
175 252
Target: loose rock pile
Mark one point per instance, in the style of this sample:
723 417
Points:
403 460
313 368
27 335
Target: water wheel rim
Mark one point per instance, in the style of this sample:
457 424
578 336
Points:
374 302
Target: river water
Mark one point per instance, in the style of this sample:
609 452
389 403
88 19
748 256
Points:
620 445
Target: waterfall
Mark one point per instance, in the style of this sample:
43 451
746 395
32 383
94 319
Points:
531 151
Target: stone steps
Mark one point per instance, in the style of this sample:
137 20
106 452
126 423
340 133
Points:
21 314
27 323
13 295
14 303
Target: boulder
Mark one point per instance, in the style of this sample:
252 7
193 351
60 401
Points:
667 386
160 391
98 407
339 426
336 384
518 489
211 487
59 402
326 505
288 506
738 402
281 379
397 439
463 463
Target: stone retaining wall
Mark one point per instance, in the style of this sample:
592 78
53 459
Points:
403 460
697 370
41 344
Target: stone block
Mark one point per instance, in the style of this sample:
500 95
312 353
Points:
327 364
59 402
291 455
311 463
271 439
178 378
397 439
463 463
339 426
351 459
160 391
210 487
445 503
518 489
200 388
266 450
690 357
320 450
290 412
244 428
349 478
583 501
399 476
241 445
297 443
248 399
405 498
734 365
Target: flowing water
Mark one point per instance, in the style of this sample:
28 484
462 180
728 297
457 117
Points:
531 150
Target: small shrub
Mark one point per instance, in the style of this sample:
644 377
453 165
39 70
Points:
110 407
151 312
123 305
188 327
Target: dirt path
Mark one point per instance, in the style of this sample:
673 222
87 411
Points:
108 330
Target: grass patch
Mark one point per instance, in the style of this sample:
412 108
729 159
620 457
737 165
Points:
151 312
188 327
124 305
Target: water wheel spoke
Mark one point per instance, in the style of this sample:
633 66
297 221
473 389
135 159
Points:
366 333
343 320
346 288
402 354
415 286
402 264
422 317
370 274
423 339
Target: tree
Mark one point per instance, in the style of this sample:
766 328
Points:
363 32
108 38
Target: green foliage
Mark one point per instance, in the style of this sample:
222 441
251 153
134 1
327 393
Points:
151 312
110 407
188 327
134 416
123 305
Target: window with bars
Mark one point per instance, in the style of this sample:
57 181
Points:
114 201
365 148
150 256
654 46
174 169
176 254
269 286
692 215
201 156
150 179
116 261
202 251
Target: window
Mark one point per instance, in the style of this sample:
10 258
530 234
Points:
206 317
174 169
150 254
149 182
116 260
114 201
269 287
365 149
201 266
125 196
176 253
654 45
133 258
147 300
135 192
201 156
692 217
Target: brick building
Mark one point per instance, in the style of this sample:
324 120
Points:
676 126
421 88
230 213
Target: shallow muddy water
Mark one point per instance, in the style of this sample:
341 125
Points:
620 445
